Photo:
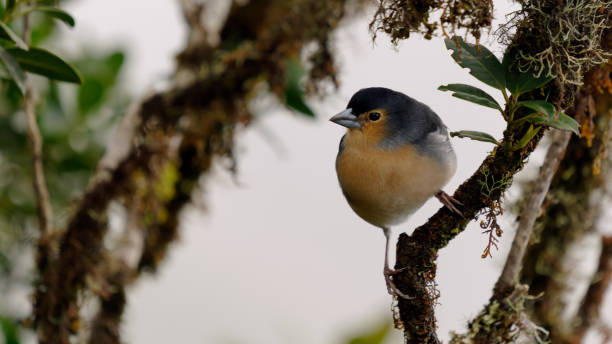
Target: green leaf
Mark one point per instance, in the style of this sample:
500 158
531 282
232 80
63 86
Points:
535 119
5 264
374 336
531 132
13 69
546 115
99 74
52 12
42 30
474 135
90 95
565 122
10 329
540 106
525 82
471 94
43 62
4 74
294 93
6 43
48 2
114 62
7 32
483 65
10 4
519 82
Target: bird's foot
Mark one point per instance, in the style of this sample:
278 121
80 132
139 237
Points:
391 288
449 202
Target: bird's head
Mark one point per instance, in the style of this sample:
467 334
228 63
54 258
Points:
384 117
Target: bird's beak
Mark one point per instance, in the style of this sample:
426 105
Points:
347 119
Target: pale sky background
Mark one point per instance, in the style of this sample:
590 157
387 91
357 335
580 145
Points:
280 257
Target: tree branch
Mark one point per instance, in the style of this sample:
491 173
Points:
141 242
513 265
417 253
588 314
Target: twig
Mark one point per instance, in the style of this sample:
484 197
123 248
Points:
40 187
35 143
513 264
43 204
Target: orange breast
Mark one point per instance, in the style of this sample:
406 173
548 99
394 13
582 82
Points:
383 186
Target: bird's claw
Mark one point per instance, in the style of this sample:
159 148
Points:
449 202
391 288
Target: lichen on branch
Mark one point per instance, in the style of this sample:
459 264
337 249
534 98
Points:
564 37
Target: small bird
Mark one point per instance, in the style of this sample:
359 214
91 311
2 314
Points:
395 155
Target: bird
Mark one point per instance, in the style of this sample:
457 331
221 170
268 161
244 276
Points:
395 155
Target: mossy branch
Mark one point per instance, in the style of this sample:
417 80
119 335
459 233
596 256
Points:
204 114
400 18
417 253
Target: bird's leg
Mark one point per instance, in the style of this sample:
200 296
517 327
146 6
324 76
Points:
388 272
449 202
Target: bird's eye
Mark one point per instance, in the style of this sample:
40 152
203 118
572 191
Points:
374 116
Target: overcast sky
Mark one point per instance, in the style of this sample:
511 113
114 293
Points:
279 257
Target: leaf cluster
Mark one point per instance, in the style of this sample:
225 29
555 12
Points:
506 77
18 57
75 124
10 330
